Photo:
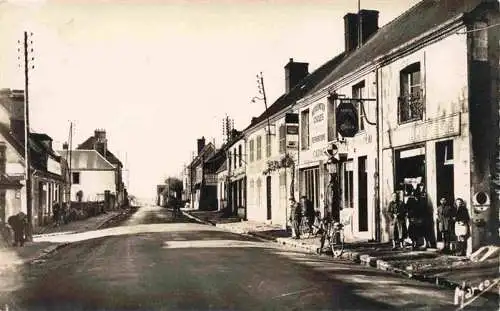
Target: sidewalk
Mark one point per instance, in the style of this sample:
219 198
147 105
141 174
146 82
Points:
423 265
33 251
76 226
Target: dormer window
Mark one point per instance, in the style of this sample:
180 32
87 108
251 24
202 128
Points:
410 101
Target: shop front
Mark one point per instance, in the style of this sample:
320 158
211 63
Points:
427 162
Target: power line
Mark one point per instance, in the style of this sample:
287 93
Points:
477 29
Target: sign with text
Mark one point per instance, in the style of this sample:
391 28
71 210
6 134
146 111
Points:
318 128
347 118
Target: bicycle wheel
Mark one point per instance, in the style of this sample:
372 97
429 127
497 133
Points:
337 243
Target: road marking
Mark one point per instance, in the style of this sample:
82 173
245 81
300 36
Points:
296 292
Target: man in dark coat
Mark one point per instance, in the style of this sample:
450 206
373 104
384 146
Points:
445 217
18 224
397 214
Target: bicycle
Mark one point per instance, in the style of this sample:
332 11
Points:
335 236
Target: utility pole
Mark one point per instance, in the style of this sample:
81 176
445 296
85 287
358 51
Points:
68 156
29 207
360 31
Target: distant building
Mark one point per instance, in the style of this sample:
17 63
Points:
96 172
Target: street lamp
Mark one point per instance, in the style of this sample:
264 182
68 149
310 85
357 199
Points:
332 193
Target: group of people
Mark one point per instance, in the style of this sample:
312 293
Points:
411 218
298 210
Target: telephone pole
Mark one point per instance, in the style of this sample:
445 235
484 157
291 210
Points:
29 206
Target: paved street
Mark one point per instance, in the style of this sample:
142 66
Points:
154 262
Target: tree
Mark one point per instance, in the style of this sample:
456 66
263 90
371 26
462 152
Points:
174 184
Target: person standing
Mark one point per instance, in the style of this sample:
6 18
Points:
397 214
462 225
308 211
414 218
295 217
56 210
17 223
445 215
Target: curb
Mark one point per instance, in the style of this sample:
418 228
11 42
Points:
124 214
188 215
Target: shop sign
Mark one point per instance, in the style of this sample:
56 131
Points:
292 136
54 166
318 126
347 118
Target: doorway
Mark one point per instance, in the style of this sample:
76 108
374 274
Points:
444 175
410 169
444 170
269 196
362 195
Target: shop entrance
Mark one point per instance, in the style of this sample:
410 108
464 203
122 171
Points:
410 169
444 170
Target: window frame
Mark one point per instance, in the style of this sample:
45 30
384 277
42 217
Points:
258 148
411 93
282 138
251 147
73 174
358 92
268 145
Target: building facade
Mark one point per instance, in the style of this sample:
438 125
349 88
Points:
421 114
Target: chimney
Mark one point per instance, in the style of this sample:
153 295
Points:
101 142
351 31
201 144
294 73
368 19
369 24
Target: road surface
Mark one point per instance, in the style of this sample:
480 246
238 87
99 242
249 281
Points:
153 262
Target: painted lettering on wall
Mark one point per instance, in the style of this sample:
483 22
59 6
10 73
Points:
318 138
318 113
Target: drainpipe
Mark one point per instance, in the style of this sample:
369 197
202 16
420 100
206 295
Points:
378 233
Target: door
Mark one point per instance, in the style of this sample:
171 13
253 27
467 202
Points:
362 195
444 175
268 192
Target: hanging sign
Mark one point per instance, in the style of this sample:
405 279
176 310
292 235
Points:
347 119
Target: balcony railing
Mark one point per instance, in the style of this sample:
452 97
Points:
411 107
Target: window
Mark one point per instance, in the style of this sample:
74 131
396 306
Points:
332 126
410 102
251 147
348 184
304 129
259 148
358 91
234 157
268 145
239 155
282 138
76 178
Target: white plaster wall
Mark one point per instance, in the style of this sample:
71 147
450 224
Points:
94 183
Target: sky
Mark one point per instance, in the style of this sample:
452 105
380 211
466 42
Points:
157 75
